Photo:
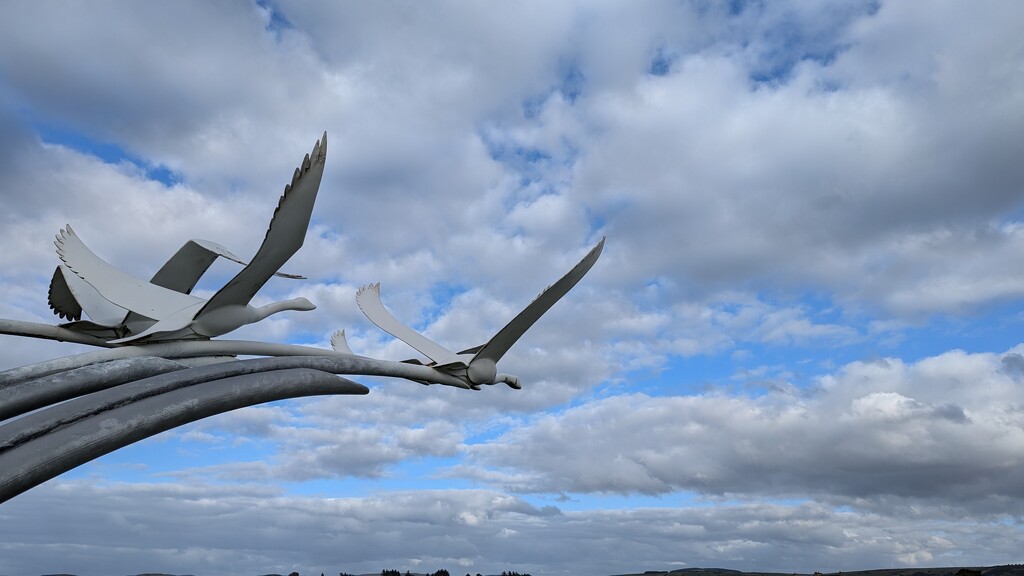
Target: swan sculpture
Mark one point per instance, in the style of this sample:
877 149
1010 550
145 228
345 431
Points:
69 296
477 365
133 309
163 370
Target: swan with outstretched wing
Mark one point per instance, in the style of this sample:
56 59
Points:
476 365
69 296
166 300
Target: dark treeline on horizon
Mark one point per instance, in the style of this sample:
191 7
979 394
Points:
441 572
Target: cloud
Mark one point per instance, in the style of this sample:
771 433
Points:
254 530
941 432
712 168
83 527
704 161
160 81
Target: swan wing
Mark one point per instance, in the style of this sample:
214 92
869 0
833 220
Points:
284 237
496 347
60 298
183 270
115 286
219 250
368 300
100 310
339 343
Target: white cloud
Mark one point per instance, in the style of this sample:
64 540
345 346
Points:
782 179
945 431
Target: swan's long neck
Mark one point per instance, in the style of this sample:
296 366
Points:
228 318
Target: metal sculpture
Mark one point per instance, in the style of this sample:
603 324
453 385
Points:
161 368
153 311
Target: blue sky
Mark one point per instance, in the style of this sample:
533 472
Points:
800 350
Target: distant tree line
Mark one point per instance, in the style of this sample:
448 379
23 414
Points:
441 572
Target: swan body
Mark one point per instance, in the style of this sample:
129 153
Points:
163 308
188 323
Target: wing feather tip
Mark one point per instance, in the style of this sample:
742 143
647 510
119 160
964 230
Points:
317 156
369 287
339 343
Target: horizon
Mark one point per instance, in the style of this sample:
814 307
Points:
934 571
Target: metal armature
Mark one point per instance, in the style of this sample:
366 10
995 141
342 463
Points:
160 367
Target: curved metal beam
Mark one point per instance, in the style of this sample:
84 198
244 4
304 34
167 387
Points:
48 332
34 425
346 363
43 444
15 432
40 459
23 397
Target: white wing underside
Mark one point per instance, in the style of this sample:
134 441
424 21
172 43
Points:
117 287
70 296
99 309
339 343
368 299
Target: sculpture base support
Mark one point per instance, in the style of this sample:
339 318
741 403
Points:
59 414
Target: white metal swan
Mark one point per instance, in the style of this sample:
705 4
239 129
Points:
165 303
477 365
69 296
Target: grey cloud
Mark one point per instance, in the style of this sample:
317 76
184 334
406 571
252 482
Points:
717 176
700 177
251 422
254 530
324 444
350 451
945 429
147 223
157 80
242 529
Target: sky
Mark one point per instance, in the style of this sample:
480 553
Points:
800 350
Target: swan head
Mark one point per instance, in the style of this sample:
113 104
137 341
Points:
299 303
257 314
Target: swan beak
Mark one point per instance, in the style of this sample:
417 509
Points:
303 304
